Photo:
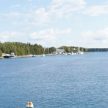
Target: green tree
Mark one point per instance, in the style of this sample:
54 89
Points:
0 53
52 50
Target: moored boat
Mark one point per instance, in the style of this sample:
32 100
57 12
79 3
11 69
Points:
12 55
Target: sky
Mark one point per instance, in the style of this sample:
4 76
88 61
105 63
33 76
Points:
55 22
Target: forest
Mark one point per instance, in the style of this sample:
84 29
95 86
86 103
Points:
21 49
24 48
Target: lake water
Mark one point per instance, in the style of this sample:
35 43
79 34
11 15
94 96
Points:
79 81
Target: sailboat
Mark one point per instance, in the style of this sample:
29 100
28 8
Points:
80 52
43 55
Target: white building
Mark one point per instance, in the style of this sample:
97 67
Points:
60 51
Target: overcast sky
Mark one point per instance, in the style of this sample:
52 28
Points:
55 22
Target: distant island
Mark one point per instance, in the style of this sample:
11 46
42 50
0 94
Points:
22 49
97 49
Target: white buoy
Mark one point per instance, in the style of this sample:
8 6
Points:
29 105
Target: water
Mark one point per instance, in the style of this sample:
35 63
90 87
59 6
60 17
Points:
79 81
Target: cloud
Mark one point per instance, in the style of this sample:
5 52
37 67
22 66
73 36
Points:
11 36
39 16
96 10
45 37
96 36
49 36
12 14
55 10
65 7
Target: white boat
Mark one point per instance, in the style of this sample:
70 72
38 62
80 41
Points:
29 105
43 55
12 55
81 52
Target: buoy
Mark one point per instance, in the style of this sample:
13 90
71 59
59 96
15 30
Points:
29 105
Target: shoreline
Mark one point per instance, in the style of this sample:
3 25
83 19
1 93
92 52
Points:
24 56
43 55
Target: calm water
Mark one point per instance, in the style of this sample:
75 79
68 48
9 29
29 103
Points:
55 82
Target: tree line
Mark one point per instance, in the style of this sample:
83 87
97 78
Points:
21 49
69 49
24 48
97 49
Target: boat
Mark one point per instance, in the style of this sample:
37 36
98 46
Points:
12 55
81 52
6 56
43 55
29 105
